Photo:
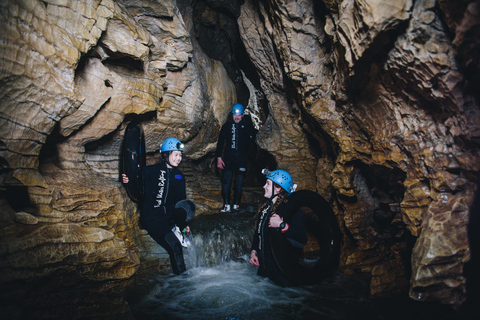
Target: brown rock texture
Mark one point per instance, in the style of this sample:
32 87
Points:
373 104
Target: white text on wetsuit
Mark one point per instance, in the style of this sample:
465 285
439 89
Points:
161 184
233 136
260 226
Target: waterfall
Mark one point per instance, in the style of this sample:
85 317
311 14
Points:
219 238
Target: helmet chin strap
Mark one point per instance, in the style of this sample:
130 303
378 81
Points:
167 160
274 195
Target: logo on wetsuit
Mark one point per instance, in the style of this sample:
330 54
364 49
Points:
260 225
234 136
161 184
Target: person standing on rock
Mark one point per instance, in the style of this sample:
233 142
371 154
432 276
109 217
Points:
278 186
164 210
236 138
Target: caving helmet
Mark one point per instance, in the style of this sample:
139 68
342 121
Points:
171 144
238 108
282 178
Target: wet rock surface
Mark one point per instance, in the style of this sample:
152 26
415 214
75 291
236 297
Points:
372 104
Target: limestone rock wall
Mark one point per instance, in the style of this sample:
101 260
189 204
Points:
74 73
370 103
381 88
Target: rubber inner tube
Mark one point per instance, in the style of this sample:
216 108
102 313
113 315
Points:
189 208
134 160
320 256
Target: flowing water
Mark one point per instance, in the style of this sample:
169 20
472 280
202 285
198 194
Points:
220 284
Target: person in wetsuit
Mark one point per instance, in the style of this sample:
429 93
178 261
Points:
164 211
278 186
236 138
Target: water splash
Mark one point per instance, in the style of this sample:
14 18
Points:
220 284
218 239
231 290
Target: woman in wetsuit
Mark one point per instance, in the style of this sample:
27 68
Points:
164 210
278 186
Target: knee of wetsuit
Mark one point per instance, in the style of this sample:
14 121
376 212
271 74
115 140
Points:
239 179
227 178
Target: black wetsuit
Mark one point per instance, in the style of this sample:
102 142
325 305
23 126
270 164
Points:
234 144
164 187
295 234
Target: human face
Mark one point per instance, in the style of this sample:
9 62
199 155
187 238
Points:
175 158
237 117
270 189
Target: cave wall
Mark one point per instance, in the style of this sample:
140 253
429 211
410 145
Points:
370 103
380 87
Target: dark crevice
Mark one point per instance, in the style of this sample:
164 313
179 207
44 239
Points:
4 166
385 186
18 198
49 151
385 183
220 39
263 159
144 117
124 64
375 54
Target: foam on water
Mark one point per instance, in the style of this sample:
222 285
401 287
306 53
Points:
219 282
231 290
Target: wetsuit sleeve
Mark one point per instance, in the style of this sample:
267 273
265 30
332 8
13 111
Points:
296 232
221 141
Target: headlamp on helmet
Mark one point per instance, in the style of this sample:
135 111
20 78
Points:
238 109
282 178
171 144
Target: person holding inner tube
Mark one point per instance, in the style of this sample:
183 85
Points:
164 210
277 188
234 143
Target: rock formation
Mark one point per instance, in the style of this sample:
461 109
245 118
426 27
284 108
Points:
372 104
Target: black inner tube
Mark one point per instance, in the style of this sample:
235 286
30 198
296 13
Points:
321 254
134 160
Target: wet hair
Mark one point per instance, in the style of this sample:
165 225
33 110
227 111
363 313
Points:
282 195
166 154
276 185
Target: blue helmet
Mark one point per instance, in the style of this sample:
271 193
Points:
238 109
171 144
282 178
